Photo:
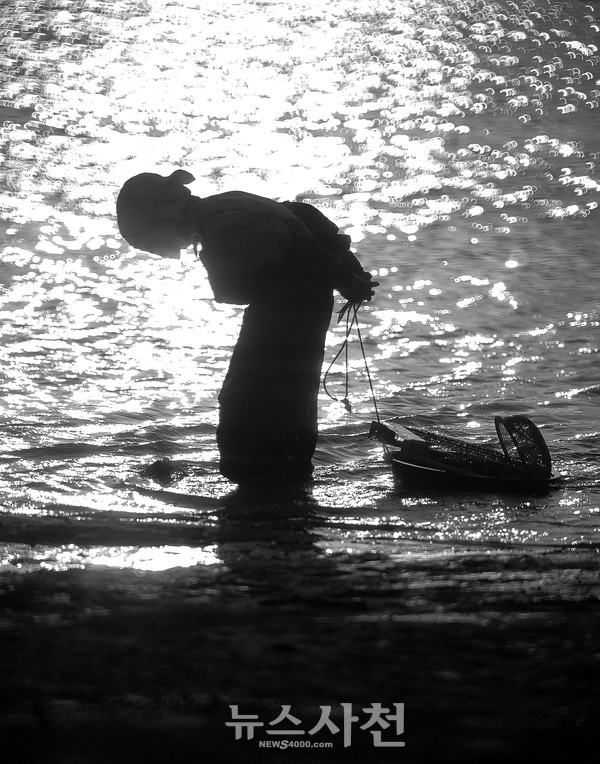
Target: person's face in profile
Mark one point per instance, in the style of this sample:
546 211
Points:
166 240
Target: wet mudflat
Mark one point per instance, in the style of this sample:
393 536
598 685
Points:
495 655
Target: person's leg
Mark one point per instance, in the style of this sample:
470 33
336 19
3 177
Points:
268 405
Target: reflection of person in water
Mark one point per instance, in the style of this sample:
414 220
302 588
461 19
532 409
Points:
283 260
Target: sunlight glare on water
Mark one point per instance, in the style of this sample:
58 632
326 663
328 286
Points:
155 558
456 142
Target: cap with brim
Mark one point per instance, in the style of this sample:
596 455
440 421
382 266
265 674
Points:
149 206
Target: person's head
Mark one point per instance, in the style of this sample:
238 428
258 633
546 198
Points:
151 209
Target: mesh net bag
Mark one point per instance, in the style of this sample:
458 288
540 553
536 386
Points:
463 454
524 445
524 453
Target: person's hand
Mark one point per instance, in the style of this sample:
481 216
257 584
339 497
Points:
358 288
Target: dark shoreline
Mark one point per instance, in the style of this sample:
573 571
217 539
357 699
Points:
118 666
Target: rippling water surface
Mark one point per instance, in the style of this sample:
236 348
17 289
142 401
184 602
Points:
457 143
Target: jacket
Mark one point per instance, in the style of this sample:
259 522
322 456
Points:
249 240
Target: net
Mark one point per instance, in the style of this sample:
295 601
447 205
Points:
524 445
524 453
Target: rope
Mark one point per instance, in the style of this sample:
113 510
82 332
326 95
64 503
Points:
362 350
350 312
343 348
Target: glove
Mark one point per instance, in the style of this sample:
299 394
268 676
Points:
357 289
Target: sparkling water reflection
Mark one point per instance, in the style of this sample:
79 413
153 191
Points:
456 142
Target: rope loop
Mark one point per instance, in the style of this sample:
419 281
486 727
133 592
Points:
349 313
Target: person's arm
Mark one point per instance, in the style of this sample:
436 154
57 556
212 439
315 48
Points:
328 251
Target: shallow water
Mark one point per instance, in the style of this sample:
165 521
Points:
457 143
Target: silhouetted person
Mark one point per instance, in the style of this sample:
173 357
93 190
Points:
282 260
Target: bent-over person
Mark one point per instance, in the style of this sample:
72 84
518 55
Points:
281 259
